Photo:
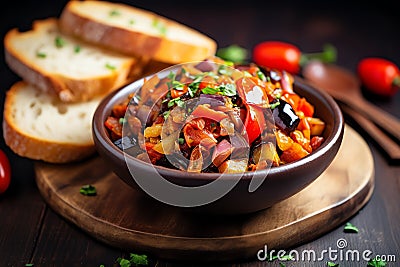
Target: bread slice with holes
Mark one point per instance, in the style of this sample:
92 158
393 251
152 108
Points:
72 69
135 32
41 127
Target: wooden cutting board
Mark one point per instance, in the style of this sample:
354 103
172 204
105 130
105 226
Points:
121 217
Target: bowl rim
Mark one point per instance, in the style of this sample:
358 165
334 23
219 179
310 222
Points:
100 133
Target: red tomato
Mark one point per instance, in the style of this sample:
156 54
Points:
277 55
379 75
5 172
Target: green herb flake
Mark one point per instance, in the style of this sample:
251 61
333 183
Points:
282 264
122 120
233 53
110 67
77 49
29 265
178 101
157 24
261 76
178 85
228 89
88 190
114 13
181 140
210 90
274 105
138 259
332 264
166 114
350 228
59 42
134 260
375 262
131 21
41 55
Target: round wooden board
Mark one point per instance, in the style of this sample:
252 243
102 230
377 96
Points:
121 217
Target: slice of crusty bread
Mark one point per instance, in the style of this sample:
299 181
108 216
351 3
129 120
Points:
135 32
74 70
39 126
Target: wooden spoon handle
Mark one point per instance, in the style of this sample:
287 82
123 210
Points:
391 148
380 117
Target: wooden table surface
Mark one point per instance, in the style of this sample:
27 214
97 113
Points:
31 232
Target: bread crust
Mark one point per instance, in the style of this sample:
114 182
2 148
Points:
135 43
68 89
34 147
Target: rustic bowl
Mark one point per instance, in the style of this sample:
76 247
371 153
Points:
280 182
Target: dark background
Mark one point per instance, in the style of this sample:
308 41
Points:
357 30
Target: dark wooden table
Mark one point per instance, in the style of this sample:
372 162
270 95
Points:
30 232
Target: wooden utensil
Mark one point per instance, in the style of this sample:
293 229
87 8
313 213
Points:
391 148
344 86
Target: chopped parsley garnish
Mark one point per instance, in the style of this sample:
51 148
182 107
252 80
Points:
157 24
77 49
181 140
166 114
274 105
134 260
122 120
377 263
59 42
110 67
261 76
114 13
223 89
131 21
41 55
178 85
88 190
29 265
349 228
332 264
178 101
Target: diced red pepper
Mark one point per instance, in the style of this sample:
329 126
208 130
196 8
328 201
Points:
254 123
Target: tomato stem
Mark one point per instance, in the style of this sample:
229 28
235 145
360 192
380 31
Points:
396 82
328 55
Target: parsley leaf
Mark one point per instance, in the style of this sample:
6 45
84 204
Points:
88 190
114 13
41 55
59 42
110 67
377 263
29 265
77 49
350 228
134 260
332 264
178 101
159 26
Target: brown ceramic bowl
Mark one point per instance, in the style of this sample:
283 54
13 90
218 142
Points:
280 182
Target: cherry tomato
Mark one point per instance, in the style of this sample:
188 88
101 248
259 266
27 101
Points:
5 172
277 55
378 75
288 57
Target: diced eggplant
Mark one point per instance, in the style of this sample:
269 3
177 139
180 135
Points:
240 147
285 117
129 145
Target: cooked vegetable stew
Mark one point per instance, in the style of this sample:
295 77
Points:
214 116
